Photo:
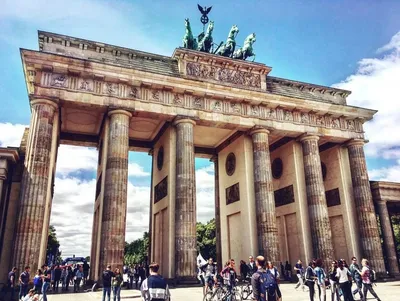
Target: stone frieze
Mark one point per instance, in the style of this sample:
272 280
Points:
210 104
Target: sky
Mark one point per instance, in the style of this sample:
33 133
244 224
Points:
354 45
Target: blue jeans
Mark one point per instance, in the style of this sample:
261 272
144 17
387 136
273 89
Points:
106 290
45 287
117 293
23 290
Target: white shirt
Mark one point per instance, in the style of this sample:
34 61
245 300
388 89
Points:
342 274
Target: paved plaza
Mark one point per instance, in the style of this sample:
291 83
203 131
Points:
389 291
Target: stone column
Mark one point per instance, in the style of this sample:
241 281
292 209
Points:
115 191
267 230
318 210
367 223
185 206
388 240
3 178
217 212
34 186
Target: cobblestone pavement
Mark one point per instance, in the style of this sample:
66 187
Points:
389 291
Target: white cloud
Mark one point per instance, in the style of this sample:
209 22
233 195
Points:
76 158
375 86
136 170
11 134
205 198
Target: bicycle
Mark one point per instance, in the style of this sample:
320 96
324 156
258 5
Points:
246 289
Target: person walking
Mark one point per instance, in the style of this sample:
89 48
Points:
274 271
117 282
298 267
57 278
142 274
86 269
136 275
70 276
251 266
38 281
343 274
355 274
288 271
107 276
334 282
154 287
46 281
79 275
366 279
310 278
263 282
64 277
244 270
321 276
11 282
24 281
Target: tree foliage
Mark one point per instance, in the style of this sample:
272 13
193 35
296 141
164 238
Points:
396 231
137 250
206 239
53 252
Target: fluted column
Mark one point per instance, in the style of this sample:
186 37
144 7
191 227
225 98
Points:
318 210
34 186
388 240
217 212
185 206
115 191
367 223
267 230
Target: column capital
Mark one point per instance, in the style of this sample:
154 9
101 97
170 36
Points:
183 119
123 112
354 142
44 101
309 136
380 201
259 129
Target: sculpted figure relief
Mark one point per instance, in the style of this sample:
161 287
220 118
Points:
247 49
205 40
228 48
188 40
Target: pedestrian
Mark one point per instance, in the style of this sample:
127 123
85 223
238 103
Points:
252 267
24 281
57 278
11 282
46 281
131 276
107 276
263 282
288 271
321 277
117 282
38 281
274 271
30 296
64 277
366 274
78 278
355 274
244 270
282 270
334 282
299 273
86 268
70 276
136 275
343 274
154 287
142 274
310 278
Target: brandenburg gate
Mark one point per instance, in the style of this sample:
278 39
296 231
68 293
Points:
290 172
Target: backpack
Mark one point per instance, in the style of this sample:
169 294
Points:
267 284
371 275
37 281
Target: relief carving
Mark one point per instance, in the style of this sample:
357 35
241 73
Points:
350 125
271 113
198 102
85 85
232 194
161 190
110 88
288 116
335 123
254 110
217 106
235 107
59 81
305 118
134 92
320 120
155 95
222 74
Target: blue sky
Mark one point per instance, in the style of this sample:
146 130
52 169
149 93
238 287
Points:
348 44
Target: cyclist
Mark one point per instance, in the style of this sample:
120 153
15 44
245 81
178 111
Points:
210 271
229 275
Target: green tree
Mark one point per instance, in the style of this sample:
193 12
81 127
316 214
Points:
136 251
53 245
206 239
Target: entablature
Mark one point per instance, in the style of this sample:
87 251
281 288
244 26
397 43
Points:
76 75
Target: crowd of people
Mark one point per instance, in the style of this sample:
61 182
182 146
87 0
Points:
265 278
46 279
